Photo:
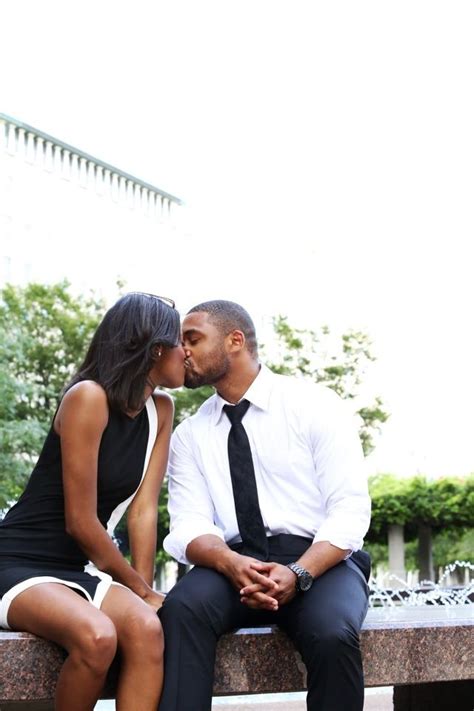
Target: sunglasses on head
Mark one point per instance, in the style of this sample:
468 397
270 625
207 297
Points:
164 299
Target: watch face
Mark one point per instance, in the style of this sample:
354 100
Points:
305 581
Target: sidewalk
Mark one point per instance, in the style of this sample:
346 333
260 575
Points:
375 700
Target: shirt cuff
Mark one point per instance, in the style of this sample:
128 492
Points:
177 541
346 544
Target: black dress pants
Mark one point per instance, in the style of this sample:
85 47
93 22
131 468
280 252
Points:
324 624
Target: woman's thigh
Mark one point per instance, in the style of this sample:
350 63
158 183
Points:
134 619
57 613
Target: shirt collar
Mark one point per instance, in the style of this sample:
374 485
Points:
258 394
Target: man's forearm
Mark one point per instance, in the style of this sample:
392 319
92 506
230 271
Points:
321 556
210 552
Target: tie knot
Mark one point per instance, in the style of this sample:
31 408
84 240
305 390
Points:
235 413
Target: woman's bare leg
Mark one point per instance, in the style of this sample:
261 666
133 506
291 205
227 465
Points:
57 613
140 640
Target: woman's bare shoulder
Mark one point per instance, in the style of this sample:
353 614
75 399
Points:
85 399
87 392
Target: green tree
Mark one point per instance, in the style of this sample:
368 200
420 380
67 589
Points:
390 505
187 402
341 363
20 439
445 503
44 331
437 517
449 545
53 328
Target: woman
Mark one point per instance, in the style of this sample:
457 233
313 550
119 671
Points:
61 575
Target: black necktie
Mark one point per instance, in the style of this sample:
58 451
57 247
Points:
244 486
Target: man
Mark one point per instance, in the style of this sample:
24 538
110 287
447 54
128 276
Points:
269 502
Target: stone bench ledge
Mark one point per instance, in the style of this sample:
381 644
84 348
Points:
399 646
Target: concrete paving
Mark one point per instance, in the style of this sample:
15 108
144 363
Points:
375 700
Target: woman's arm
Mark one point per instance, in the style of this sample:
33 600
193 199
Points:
80 423
143 512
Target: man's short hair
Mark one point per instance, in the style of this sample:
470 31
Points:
226 316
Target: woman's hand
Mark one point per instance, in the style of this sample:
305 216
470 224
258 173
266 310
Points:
154 599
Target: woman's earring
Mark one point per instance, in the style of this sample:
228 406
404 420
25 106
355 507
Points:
159 353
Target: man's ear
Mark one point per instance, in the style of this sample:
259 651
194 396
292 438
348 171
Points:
236 340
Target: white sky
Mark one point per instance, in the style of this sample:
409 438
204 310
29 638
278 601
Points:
326 155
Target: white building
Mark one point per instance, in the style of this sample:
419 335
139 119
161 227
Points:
66 214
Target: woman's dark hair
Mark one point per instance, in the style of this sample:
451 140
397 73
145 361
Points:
123 349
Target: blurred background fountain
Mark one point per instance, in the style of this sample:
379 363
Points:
454 587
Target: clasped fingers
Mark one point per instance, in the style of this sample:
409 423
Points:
258 600
258 587
265 581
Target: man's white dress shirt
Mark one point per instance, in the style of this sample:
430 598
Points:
308 462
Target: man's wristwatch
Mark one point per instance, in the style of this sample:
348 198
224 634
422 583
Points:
304 580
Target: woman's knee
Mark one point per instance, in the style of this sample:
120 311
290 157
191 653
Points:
95 644
143 635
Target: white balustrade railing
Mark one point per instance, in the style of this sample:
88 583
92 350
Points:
54 156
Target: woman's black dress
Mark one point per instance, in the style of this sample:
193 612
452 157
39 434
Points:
34 545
